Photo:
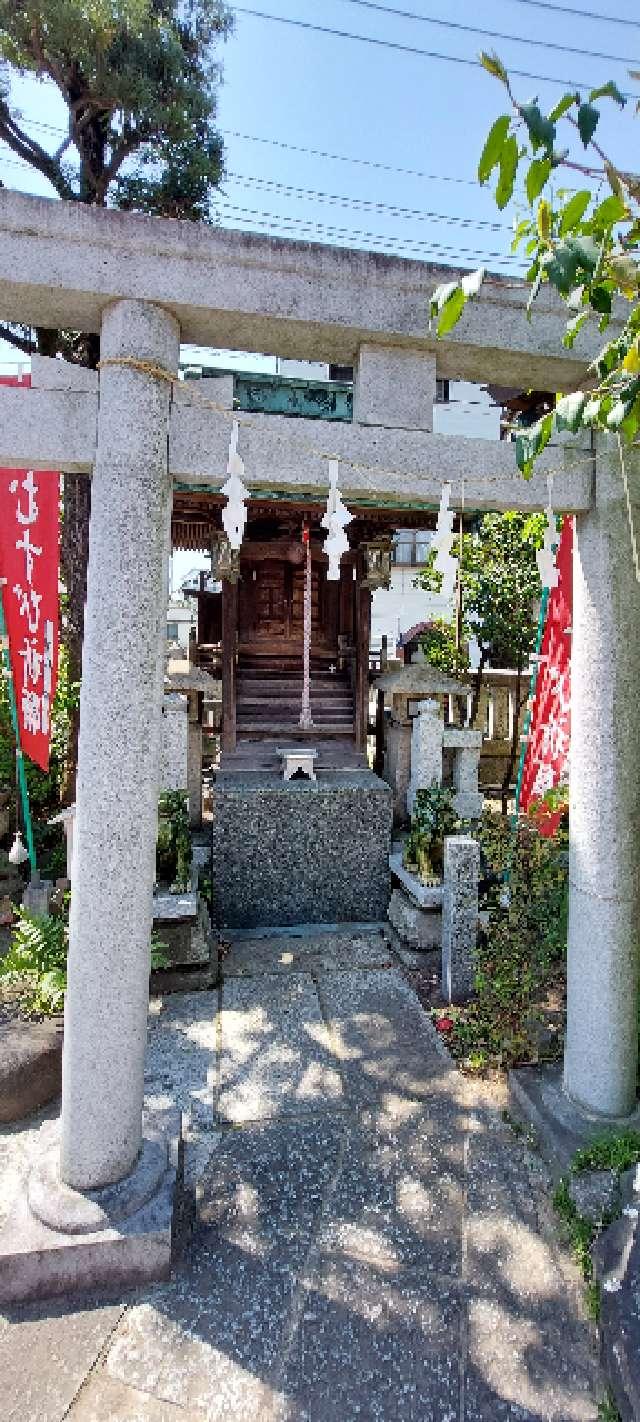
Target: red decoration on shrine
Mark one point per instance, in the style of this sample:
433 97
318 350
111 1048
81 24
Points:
547 759
29 564
305 533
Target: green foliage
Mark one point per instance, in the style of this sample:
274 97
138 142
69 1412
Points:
37 962
615 1150
520 957
500 585
139 78
580 1234
160 957
438 643
174 849
433 817
585 248
607 1410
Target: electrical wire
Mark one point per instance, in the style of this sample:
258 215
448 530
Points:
582 14
407 48
363 204
229 209
487 34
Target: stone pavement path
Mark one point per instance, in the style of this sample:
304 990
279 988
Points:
372 1244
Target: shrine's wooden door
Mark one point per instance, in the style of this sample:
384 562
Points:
271 608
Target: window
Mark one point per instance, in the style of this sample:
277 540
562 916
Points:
341 373
173 632
411 547
442 392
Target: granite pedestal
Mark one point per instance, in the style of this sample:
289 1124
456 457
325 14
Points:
301 851
415 909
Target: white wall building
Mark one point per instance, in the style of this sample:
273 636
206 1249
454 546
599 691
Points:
461 409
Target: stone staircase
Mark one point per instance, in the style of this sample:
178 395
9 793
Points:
269 698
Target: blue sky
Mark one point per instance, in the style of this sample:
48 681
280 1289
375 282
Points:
315 91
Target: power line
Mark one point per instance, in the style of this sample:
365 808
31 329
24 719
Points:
406 48
396 242
313 153
582 14
364 204
488 34
359 204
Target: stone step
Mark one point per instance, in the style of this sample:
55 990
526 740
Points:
292 729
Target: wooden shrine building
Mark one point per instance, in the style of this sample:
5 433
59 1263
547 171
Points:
251 607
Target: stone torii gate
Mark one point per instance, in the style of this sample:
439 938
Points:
98 1205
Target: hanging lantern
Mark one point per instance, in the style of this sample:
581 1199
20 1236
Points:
377 563
225 560
234 513
18 854
445 564
335 521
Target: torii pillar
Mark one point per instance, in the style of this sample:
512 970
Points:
604 856
98 1206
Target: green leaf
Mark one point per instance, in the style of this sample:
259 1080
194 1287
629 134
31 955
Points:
536 177
490 155
601 299
629 426
574 211
451 311
472 282
567 101
573 328
494 66
562 268
440 296
569 411
608 91
520 231
542 131
586 250
508 170
626 271
543 220
588 119
533 293
610 211
531 441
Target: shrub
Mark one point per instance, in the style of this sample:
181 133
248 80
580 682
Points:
521 955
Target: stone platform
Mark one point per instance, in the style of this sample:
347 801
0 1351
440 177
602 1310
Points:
301 851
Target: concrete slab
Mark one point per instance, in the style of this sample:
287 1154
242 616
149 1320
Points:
389 1055
309 953
103 1399
46 1351
213 1340
276 1055
385 1357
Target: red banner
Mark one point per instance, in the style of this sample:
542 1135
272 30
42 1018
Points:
547 759
29 563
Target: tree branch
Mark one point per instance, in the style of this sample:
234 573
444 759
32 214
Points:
31 152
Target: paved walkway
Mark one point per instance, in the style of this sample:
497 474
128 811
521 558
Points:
373 1243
